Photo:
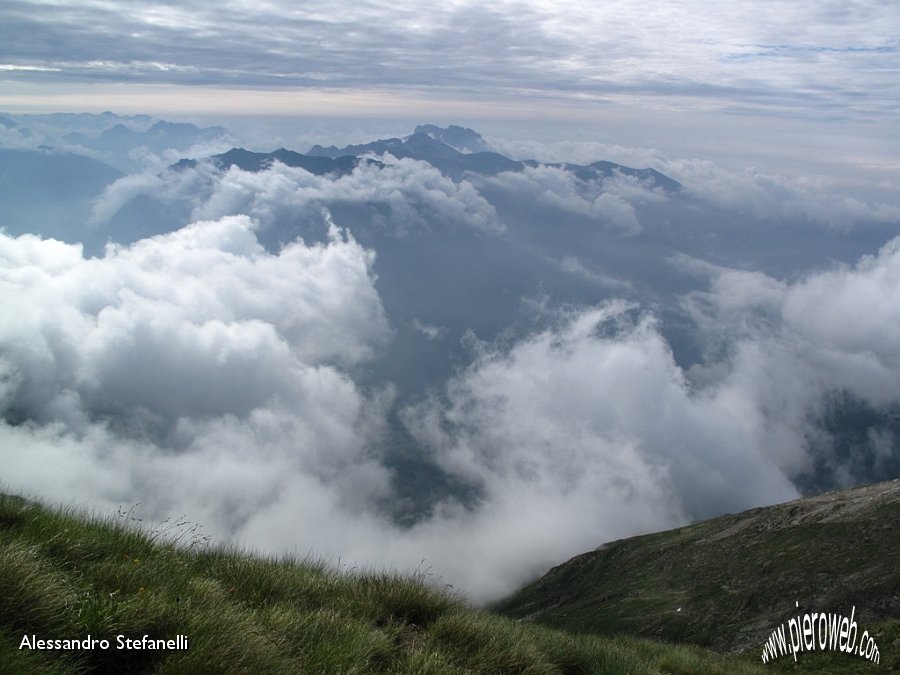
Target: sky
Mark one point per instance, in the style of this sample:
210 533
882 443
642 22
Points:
828 59
763 72
481 375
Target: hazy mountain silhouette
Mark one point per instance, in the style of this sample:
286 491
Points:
442 149
29 177
260 161
161 136
460 138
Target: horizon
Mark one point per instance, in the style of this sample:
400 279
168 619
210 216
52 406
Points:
684 78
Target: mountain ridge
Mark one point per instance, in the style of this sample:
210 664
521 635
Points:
455 150
727 582
247 160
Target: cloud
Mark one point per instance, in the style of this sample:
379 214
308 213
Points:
583 433
838 202
848 311
118 385
166 186
399 197
157 333
610 201
430 331
200 372
589 430
813 58
574 266
194 372
575 151
774 196
18 138
415 194
790 350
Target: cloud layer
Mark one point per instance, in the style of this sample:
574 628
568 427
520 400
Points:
197 373
162 367
398 196
235 373
826 59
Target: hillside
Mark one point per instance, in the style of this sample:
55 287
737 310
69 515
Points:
726 583
66 577
50 192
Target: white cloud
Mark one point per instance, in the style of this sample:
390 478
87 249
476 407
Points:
402 196
198 373
773 196
610 201
831 194
416 194
573 265
827 56
588 431
584 433
182 355
853 310
788 348
577 151
430 331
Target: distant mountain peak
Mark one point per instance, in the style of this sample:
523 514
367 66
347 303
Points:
460 138
455 150
247 160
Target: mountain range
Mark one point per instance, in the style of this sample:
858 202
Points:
160 136
456 150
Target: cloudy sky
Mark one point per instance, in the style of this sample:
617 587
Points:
770 69
488 372
828 59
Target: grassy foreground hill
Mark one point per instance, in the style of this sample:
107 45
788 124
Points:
64 576
727 583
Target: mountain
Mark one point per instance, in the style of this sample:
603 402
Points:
49 192
460 138
457 150
425 147
161 136
90 122
259 161
603 169
426 138
727 583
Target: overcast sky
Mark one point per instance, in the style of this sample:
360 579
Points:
832 60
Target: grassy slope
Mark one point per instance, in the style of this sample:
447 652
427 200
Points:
727 583
66 576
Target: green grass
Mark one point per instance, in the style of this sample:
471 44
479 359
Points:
887 637
726 583
64 575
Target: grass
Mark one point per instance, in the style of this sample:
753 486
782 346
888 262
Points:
65 575
886 635
726 583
